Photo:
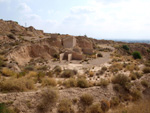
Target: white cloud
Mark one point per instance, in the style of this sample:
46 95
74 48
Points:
82 10
23 7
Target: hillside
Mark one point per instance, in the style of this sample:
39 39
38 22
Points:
59 73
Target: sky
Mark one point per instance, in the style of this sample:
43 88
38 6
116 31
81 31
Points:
101 19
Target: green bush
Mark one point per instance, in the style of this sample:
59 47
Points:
125 47
136 55
86 99
82 83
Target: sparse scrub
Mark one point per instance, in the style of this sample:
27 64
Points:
5 109
68 73
49 99
95 108
146 70
114 101
82 83
29 68
105 105
57 69
71 82
86 99
7 72
14 84
136 55
65 106
103 82
144 83
121 80
136 94
49 82
139 107
99 55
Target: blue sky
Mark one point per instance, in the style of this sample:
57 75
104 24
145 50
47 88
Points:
103 19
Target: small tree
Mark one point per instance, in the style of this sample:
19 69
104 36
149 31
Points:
136 55
125 47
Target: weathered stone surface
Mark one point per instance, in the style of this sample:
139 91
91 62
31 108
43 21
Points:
69 42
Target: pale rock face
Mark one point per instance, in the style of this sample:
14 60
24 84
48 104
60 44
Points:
69 42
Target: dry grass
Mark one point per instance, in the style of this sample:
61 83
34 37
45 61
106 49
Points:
86 99
142 106
103 82
49 98
8 72
146 70
65 106
121 80
49 82
68 73
95 108
14 84
71 82
82 83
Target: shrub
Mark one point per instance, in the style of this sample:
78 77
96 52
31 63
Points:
121 80
68 73
136 94
57 69
71 82
82 83
49 74
146 70
40 75
99 55
103 82
29 68
104 68
114 101
86 99
136 55
49 99
2 63
91 73
14 84
5 109
125 47
8 72
65 106
11 36
95 108
105 105
49 82
144 83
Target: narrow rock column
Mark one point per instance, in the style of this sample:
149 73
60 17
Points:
69 57
61 57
